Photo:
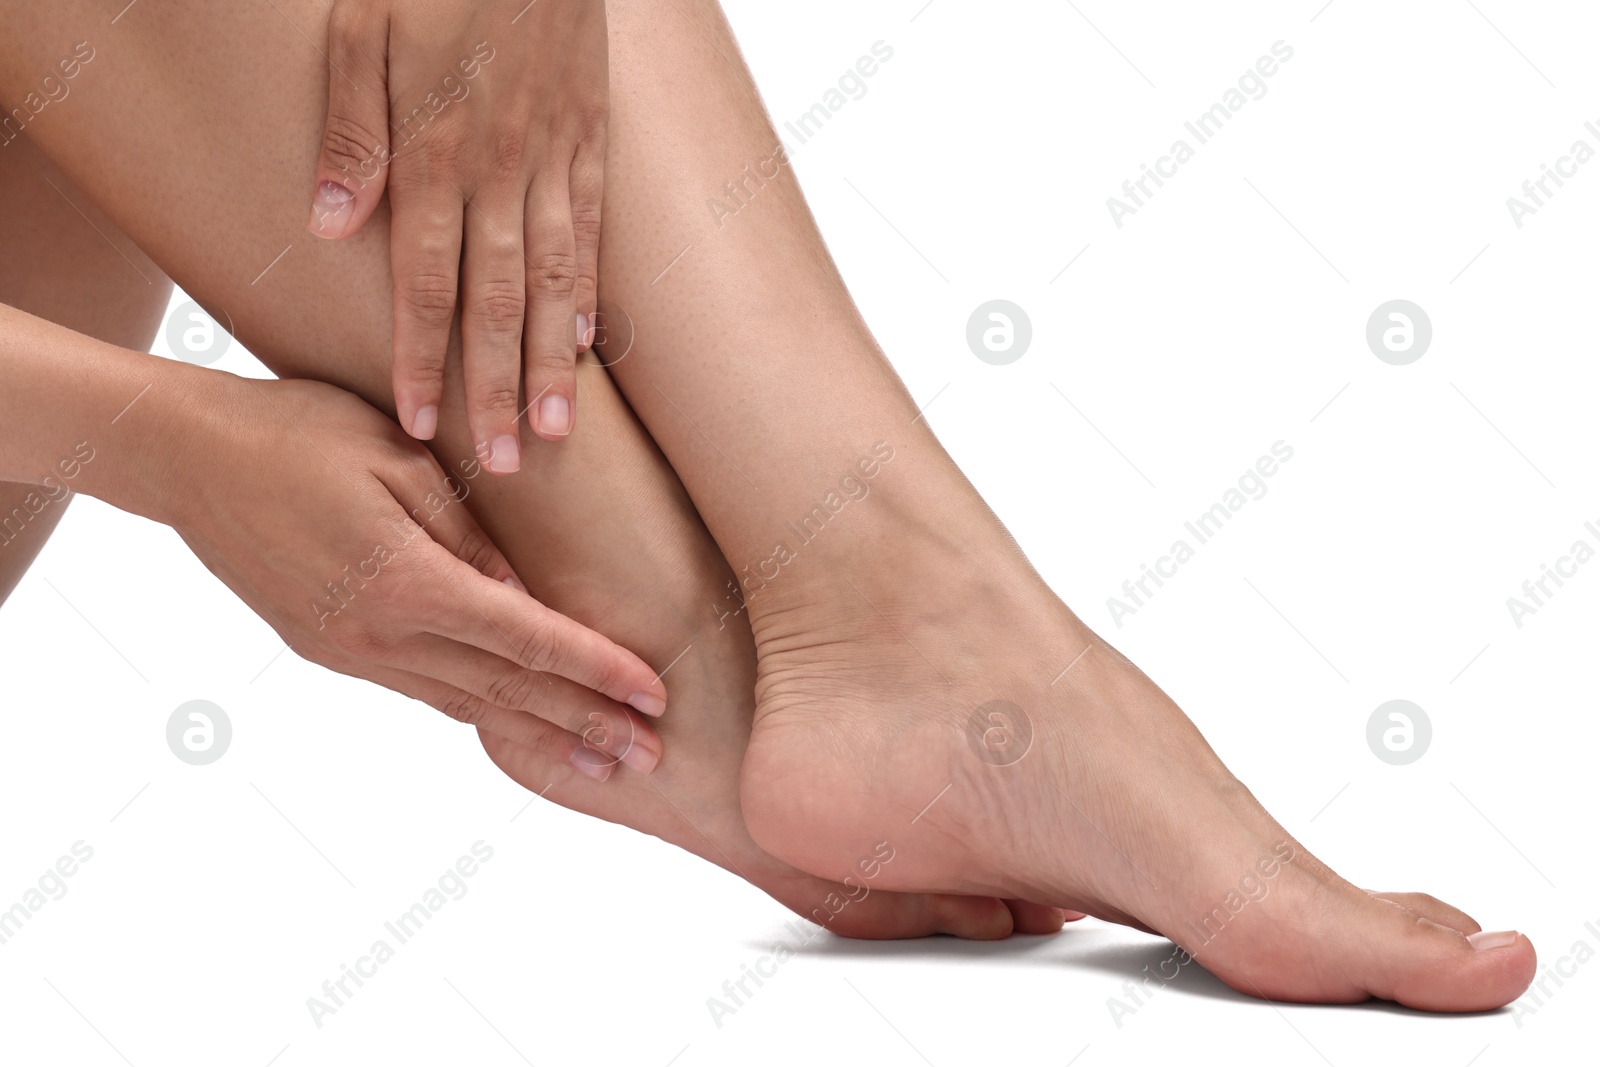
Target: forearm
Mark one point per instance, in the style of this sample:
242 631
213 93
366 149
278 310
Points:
80 415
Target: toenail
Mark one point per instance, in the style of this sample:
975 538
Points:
1487 939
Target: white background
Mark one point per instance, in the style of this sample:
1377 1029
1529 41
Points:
1226 315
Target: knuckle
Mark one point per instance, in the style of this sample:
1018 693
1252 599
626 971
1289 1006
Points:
586 226
592 118
465 708
500 304
409 178
477 551
556 271
443 147
422 366
361 644
496 396
431 156
514 689
508 150
558 364
430 297
606 673
347 144
538 647
349 22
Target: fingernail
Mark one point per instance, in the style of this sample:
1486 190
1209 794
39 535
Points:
330 210
505 455
1487 939
647 703
592 764
518 586
585 332
640 759
555 416
425 422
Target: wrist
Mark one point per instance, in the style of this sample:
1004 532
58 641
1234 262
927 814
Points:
80 415
148 457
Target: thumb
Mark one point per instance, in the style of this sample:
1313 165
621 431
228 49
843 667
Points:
353 165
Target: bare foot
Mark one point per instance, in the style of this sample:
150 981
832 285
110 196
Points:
691 800
612 540
921 686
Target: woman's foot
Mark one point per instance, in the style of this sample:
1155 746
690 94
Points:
692 800
606 535
941 699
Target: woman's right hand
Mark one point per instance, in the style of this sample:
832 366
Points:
345 535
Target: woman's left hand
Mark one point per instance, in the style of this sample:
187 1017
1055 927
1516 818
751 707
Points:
486 122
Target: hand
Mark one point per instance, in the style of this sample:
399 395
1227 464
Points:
348 539
492 119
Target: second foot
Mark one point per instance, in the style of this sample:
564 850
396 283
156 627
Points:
1001 749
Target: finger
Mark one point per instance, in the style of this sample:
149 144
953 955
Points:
425 252
549 341
539 767
527 734
501 620
493 297
352 165
588 188
437 508
605 727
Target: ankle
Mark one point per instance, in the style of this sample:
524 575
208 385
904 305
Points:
912 537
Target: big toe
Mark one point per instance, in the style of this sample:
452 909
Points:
1400 955
1317 940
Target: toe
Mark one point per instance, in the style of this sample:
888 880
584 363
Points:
886 916
1320 939
1030 918
1397 954
974 918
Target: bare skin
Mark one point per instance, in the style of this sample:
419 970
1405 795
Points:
642 571
596 523
57 267
877 638
889 621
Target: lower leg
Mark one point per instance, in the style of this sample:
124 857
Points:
611 540
597 525
759 350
